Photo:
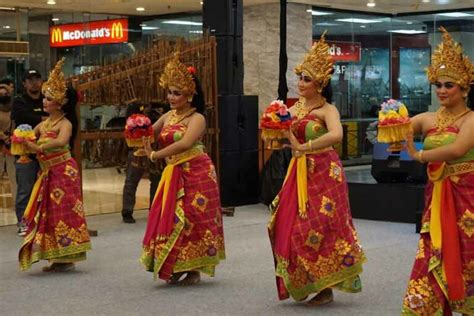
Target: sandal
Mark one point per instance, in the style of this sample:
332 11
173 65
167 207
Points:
59 267
192 277
174 279
322 298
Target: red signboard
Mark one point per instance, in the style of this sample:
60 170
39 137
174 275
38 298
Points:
92 33
344 51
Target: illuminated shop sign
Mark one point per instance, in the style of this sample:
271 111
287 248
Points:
344 51
92 33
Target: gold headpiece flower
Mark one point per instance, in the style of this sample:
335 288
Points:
317 64
176 74
55 88
449 61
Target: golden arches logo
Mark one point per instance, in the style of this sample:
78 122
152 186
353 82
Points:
56 36
117 30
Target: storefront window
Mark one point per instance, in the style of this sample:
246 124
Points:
414 86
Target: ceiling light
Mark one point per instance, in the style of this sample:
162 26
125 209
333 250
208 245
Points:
313 12
140 9
426 1
371 3
196 32
202 2
327 24
55 19
356 20
181 22
7 9
406 31
51 2
456 14
6 26
363 26
409 22
150 28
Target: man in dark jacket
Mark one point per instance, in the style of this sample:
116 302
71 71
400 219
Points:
27 109
136 168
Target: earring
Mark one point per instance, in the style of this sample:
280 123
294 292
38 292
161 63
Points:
190 99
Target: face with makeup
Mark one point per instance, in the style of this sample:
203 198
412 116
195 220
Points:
177 98
448 92
50 106
307 87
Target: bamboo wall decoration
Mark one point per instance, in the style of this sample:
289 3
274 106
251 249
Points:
136 78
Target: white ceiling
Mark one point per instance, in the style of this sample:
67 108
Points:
155 7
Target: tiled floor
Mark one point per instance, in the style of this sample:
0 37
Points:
102 194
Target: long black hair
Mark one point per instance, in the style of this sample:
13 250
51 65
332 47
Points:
198 98
69 110
327 92
470 97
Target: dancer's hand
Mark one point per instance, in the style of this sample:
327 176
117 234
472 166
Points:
410 145
294 143
147 146
32 146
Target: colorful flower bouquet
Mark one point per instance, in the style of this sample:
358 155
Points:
393 125
21 134
275 121
137 127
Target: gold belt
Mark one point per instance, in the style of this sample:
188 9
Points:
458 168
46 163
188 154
311 152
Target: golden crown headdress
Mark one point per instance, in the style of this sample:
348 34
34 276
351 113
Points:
449 61
176 74
55 88
318 63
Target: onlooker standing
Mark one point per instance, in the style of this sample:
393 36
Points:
27 109
6 127
136 167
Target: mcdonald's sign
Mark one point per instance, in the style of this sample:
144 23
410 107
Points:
92 33
117 30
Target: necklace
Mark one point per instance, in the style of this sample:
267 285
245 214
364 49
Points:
301 109
176 118
445 119
49 124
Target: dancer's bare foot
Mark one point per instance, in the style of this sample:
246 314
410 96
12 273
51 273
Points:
175 277
59 267
322 298
192 277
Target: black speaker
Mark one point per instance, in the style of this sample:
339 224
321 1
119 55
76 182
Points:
223 17
238 122
230 65
396 167
239 177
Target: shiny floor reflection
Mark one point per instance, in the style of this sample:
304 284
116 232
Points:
102 190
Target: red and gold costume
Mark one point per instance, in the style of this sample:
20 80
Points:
57 229
314 242
56 225
184 231
313 238
442 279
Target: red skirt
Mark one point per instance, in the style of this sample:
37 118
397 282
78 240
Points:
196 242
319 250
427 292
56 225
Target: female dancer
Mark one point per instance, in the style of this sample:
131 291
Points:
442 280
56 227
184 235
314 242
